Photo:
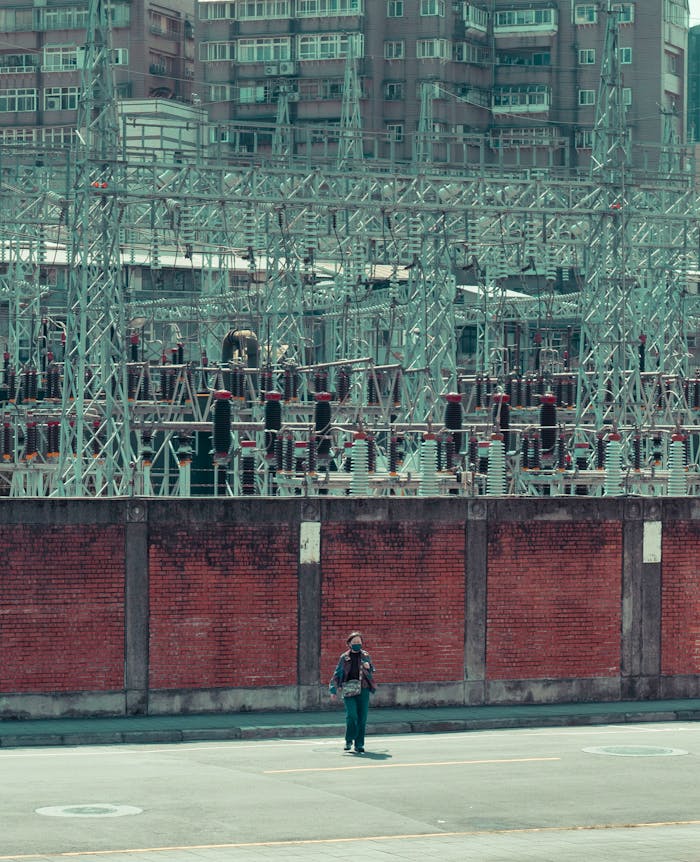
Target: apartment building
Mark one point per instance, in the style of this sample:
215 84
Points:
41 45
496 80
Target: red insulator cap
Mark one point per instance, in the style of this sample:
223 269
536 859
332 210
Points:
501 397
679 436
273 396
359 435
548 398
429 435
323 396
613 435
300 444
453 397
247 444
643 338
222 395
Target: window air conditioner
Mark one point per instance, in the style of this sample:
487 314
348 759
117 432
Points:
288 68
271 69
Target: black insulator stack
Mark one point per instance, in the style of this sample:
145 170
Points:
656 452
528 391
288 452
273 421
134 347
145 388
322 424
265 381
147 446
510 389
483 457
536 452
696 398
608 391
439 451
221 436
52 438
32 384
132 382
313 453
548 421
342 383
473 451
247 468
227 380
372 392
396 391
165 384
180 353
320 380
347 463
642 352
600 452
279 453
501 415
561 452
525 452
11 384
291 385
238 383
393 454
478 392
518 390
453 418
637 452
300 456
30 446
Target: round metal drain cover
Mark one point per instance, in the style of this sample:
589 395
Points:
89 810
635 751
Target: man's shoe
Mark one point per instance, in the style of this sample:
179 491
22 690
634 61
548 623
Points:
348 746
359 749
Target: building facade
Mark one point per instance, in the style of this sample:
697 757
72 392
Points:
512 80
40 57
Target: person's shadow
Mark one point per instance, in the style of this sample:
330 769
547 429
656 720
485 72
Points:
374 755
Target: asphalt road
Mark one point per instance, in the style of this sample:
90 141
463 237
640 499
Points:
612 793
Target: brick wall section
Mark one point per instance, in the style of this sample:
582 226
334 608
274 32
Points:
62 608
554 614
223 606
680 598
402 584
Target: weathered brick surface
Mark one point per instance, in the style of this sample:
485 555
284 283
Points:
554 600
402 585
62 608
680 598
223 606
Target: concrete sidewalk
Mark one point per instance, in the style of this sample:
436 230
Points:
291 725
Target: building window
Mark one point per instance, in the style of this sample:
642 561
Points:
393 91
676 12
220 92
583 139
432 7
17 20
329 46
523 98
17 99
465 52
523 18
14 63
394 50
673 64
475 17
627 96
432 49
625 55
328 8
394 132
394 9
262 9
586 56
585 13
586 97
212 52
626 11
64 18
61 99
58 58
215 11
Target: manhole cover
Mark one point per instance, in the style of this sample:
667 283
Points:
91 810
635 751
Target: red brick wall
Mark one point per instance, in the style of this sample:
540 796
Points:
554 600
62 609
223 606
402 585
680 598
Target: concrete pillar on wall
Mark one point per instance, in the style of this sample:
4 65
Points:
136 604
476 545
309 597
641 600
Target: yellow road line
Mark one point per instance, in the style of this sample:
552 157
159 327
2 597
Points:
409 765
295 842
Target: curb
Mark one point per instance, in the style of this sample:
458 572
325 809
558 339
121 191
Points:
301 731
